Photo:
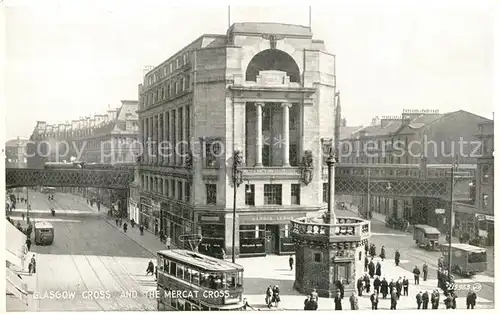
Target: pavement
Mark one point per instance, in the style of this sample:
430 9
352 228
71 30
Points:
93 254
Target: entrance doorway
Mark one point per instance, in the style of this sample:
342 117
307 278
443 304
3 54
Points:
272 239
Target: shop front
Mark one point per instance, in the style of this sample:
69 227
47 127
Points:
176 220
146 213
211 226
266 233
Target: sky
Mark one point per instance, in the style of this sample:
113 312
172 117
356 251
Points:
66 60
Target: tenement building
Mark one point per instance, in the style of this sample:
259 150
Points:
263 92
104 138
415 137
15 153
477 217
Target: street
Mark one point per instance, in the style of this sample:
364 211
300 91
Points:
92 254
89 255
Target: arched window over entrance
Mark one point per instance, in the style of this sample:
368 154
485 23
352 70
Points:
273 59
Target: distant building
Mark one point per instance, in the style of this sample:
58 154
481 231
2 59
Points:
478 215
15 153
435 135
104 138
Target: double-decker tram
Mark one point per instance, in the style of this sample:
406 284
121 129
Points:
190 281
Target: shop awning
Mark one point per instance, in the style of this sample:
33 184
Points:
15 240
13 259
15 285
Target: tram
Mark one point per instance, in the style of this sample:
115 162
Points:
190 281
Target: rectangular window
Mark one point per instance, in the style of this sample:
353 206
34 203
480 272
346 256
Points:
176 88
485 200
177 63
250 194
293 155
295 194
171 67
266 118
317 257
485 175
211 194
187 192
188 82
272 194
212 152
325 192
173 189
179 188
169 90
184 59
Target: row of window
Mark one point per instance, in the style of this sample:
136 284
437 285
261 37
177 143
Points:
167 69
170 89
272 194
172 188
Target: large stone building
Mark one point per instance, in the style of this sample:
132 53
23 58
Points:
261 89
478 215
103 138
15 153
416 137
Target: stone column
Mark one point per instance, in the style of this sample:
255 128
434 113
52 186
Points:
258 142
150 137
286 134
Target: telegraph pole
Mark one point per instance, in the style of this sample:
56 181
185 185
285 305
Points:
450 227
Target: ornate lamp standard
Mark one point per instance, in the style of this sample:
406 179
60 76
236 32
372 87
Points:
237 179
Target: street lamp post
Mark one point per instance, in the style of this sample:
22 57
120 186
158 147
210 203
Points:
330 162
237 179
27 204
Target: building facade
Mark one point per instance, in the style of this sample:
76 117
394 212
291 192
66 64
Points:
262 90
426 138
109 138
477 216
15 153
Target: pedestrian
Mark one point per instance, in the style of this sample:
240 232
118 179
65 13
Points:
382 252
394 300
168 242
399 287
359 286
28 243
132 222
307 304
338 302
22 216
162 236
419 300
314 295
376 284
378 269
366 248
416 275
367 261
397 257
117 221
425 300
340 288
150 269
374 300
98 206
269 296
30 268
353 300
245 304
453 300
471 299
425 270
367 283
156 228
406 283
290 261
371 269
373 251
435 299
276 295
448 301
125 227
141 229
33 263
384 288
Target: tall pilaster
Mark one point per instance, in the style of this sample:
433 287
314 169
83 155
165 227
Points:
258 143
286 134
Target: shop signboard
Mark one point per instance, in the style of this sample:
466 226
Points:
252 246
269 218
287 245
211 218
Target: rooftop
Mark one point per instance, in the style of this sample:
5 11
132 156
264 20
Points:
270 28
200 260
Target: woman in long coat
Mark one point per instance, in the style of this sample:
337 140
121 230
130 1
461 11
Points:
378 269
382 253
384 288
